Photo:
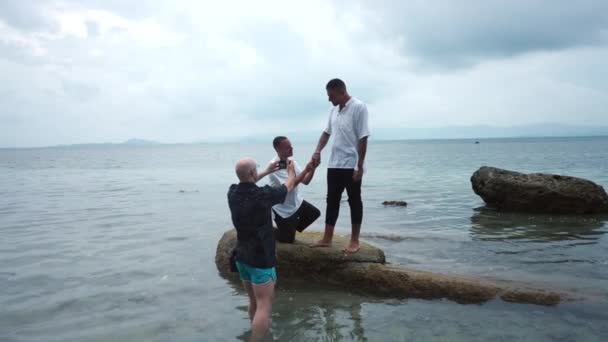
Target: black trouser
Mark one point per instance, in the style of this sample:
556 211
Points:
304 217
337 180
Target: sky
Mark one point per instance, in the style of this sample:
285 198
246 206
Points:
85 71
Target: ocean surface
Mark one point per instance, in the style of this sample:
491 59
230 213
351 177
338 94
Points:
117 243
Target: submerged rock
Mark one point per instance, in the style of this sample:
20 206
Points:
395 203
367 272
538 192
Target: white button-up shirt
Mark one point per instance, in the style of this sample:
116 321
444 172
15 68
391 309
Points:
294 199
346 127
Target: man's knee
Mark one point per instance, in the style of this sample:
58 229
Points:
355 201
333 200
315 212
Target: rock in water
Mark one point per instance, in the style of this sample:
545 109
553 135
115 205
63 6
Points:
366 272
300 258
538 192
395 203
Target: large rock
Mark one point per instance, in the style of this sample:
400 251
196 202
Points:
299 257
366 272
538 192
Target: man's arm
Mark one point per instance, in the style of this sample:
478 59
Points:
292 179
362 131
361 150
272 167
306 174
306 180
323 139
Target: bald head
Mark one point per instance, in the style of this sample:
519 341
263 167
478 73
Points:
246 170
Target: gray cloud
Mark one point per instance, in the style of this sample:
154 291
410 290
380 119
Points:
462 33
191 71
27 15
128 9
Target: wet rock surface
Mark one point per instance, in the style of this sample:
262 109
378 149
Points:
395 203
538 192
366 272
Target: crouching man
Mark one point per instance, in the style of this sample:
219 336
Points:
294 214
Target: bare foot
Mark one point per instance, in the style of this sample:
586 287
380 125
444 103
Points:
321 243
353 247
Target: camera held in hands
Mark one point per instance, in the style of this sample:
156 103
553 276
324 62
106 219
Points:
282 164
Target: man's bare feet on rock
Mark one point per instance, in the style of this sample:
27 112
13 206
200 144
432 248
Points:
353 247
321 243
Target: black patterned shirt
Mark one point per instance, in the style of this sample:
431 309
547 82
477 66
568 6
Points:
250 207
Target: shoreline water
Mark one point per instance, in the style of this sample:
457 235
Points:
100 244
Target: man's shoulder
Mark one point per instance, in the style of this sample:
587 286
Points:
232 193
270 189
357 103
273 193
235 189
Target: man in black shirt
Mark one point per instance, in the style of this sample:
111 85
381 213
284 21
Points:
250 207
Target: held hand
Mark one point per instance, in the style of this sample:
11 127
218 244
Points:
310 166
316 158
357 175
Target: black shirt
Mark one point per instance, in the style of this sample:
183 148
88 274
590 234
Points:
250 206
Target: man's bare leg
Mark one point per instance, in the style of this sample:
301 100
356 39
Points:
353 245
261 319
252 305
327 237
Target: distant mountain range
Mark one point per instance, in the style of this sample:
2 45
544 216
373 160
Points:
131 142
432 133
140 142
485 131
452 132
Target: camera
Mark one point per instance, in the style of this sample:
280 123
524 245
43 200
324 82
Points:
282 164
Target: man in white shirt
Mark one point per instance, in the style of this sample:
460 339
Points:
294 213
348 125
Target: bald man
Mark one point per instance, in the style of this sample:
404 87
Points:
250 207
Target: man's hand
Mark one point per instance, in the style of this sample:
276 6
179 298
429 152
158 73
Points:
291 167
357 175
272 167
316 158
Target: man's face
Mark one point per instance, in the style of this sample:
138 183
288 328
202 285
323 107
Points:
284 150
335 96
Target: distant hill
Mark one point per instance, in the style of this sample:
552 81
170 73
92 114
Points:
395 133
130 142
448 132
486 131
135 141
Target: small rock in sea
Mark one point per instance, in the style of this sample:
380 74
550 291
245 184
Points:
182 191
396 203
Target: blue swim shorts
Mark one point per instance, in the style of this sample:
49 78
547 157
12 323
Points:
257 276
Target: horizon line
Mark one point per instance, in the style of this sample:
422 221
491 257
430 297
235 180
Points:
151 143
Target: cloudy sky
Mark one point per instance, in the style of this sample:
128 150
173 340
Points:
78 71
